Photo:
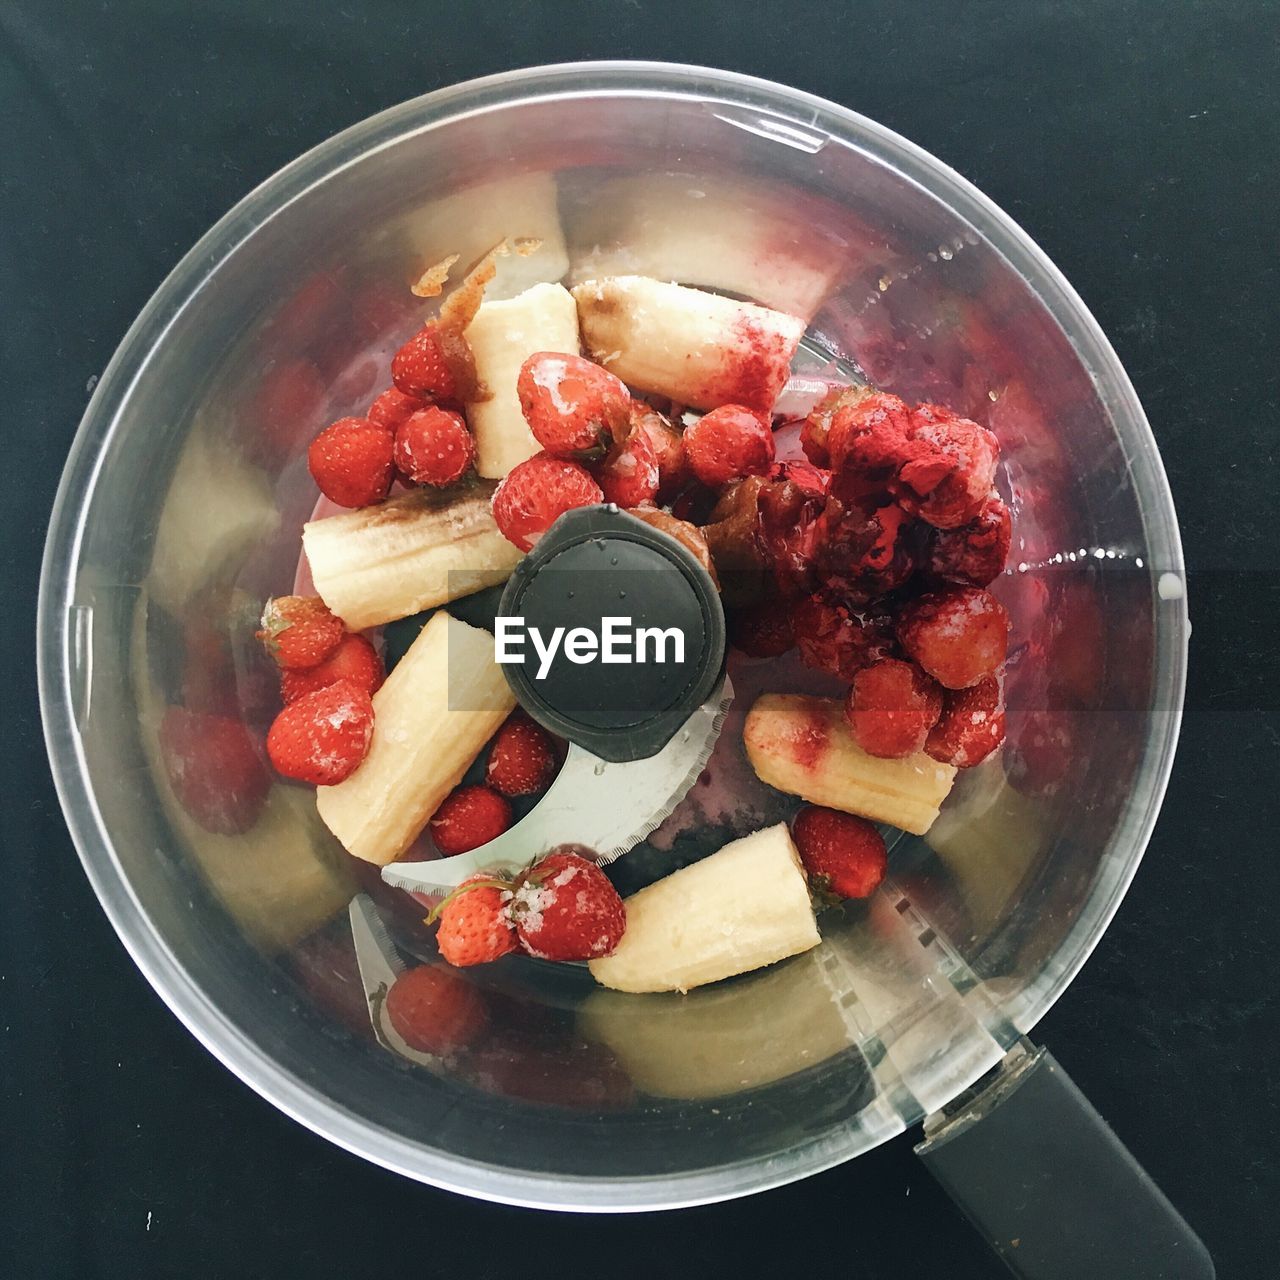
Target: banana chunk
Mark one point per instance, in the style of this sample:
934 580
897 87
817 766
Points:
407 554
443 701
742 908
696 347
803 746
502 336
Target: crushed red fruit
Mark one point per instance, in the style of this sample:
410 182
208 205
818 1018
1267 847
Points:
974 553
838 639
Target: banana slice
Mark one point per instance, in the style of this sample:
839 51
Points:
410 553
742 908
502 337
803 746
696 347
443 701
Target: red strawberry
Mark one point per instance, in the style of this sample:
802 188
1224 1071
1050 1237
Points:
392 407
435 1010
469 817
214 769
433 446
522 759
564 908
844 855
971 726
957 635
975 552
536 493
355 660
323 736
952 465
892 706
628 473
351 461
668 448
299 631
571 405
475 923
420 369
728 443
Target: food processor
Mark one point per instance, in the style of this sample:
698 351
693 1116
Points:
180 511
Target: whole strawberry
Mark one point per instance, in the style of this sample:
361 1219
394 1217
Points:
354 659
522 759
299 632
564 908
475 923
324 736
535 493
843 855
419 368
351 462
469 817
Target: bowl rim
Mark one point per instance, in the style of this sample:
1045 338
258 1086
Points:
779 104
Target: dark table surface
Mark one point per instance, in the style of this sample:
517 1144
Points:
1137 144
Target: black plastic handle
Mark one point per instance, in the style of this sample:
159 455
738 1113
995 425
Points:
1040 1173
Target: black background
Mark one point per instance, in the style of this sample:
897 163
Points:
1137 144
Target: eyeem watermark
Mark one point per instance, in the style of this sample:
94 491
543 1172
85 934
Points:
619 641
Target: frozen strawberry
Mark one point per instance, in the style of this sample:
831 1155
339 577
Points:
420 367
948 475
728 443
469 817
668 448
764 630
354 660
433 446
571 405
434 1010
392 407
957 635
322 737
837 639
523 758
214 768
867 435
351 462
565 908
628 473
973 553
891 707
535 493
971 726
285 410
475 923
843 855
299 632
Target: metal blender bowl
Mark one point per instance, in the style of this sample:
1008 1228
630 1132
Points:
180 510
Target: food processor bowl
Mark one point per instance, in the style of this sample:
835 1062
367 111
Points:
180 511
